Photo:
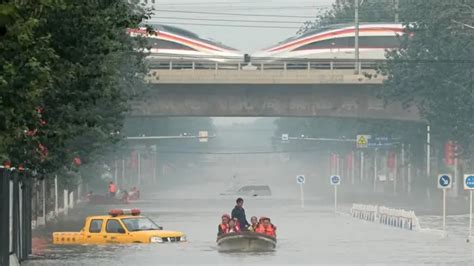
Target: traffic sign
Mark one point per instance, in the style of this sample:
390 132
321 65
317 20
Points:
363 141
445 181
380 142
300 179
469 182
335 180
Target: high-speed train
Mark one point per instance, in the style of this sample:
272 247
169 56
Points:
169 42
337 42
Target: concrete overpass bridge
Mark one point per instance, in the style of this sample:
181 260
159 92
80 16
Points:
318 88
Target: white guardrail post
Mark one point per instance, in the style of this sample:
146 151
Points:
388 216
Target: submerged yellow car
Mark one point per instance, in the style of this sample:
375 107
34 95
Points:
119 227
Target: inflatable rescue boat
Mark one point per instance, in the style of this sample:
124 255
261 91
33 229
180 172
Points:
246 242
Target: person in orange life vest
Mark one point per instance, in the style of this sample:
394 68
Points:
112 189
266 227
234 226
253 224
223 227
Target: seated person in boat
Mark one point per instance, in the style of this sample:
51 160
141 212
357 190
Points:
223 227
266 227
253 224
234 226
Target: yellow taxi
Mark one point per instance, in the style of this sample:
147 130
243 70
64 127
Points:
119 227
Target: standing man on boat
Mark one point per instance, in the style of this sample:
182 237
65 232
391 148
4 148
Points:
239 213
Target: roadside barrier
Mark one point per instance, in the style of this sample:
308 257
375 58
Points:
364 212
388 216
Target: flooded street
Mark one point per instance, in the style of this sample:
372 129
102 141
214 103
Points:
310 236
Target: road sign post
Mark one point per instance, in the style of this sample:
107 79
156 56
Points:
444 183
301 179
335 181
469 185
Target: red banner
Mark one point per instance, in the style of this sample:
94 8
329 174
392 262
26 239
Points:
133 159
333 161
449 152
349 159
391 161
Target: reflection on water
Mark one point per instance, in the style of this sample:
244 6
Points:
310 236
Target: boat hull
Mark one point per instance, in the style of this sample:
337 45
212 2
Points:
246 242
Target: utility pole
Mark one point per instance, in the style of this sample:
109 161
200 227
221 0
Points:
397 6
428 157
356 42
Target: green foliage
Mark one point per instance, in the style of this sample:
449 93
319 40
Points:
343 12
435 67
74 60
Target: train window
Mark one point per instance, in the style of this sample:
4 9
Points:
179 31
163 44
348 42
380 41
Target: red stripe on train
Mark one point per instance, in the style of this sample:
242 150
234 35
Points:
333 34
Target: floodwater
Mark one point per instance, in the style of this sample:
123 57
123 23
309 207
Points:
192 203
313 235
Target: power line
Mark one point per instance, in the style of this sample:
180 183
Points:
230 26
235 3
254 8
237 152
231 14
227 20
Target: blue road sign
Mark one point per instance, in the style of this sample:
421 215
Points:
380 142
444 181
335 180
300 179
469 182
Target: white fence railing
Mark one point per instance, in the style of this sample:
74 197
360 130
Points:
256 66
388 216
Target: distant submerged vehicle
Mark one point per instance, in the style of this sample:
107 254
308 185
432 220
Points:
249 190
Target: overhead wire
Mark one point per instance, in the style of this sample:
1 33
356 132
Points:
230 3
228 20
231 26
239 152
230 14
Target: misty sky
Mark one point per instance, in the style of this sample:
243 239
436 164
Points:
246 13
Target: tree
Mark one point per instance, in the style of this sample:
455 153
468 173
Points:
68 69
26 59
343 12
434 67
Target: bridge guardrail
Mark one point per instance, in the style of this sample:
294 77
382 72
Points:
163 64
